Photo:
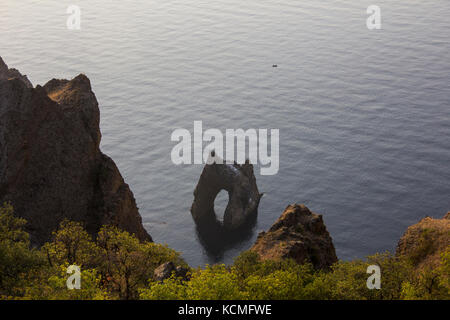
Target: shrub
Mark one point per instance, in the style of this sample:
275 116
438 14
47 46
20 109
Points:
17 260
128 264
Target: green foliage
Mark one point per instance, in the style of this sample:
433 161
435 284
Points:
170 289
50 284
16 258
279 279
251 278
246 264
11 227
127 263
445 270
213 283
423 247
430 284
280 284
116 265
71 244
347 280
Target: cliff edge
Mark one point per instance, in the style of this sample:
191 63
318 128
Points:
51 166
424 242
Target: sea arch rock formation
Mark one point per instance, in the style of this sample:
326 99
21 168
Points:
240 183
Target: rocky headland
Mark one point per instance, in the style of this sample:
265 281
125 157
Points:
51 169
424 242
51 166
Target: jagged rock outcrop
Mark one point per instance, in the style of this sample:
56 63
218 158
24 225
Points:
424 242
298 234
51 167
7 73
166 270
240 183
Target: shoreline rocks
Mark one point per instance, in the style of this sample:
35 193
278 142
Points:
298 234
424 242
166 270
11 73
51 166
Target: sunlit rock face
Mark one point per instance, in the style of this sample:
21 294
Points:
298 234
51 167
11 73
423 243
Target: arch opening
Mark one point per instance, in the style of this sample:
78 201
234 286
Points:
220 204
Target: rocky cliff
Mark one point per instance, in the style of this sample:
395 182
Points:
11 73
298 234
51 167
424 242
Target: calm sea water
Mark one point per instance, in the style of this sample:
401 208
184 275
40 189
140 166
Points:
364 116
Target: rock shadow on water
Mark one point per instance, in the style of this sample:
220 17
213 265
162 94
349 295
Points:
241 211
217 239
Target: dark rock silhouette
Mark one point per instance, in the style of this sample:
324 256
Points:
298 234
7 73
240 183
241 211
51 167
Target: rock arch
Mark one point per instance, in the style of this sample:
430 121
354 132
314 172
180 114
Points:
240 183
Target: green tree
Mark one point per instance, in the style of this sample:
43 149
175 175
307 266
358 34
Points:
51 284
16 257
71 244
430 283
169 289
214 283
128 264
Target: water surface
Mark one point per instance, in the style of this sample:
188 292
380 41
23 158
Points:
364 116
